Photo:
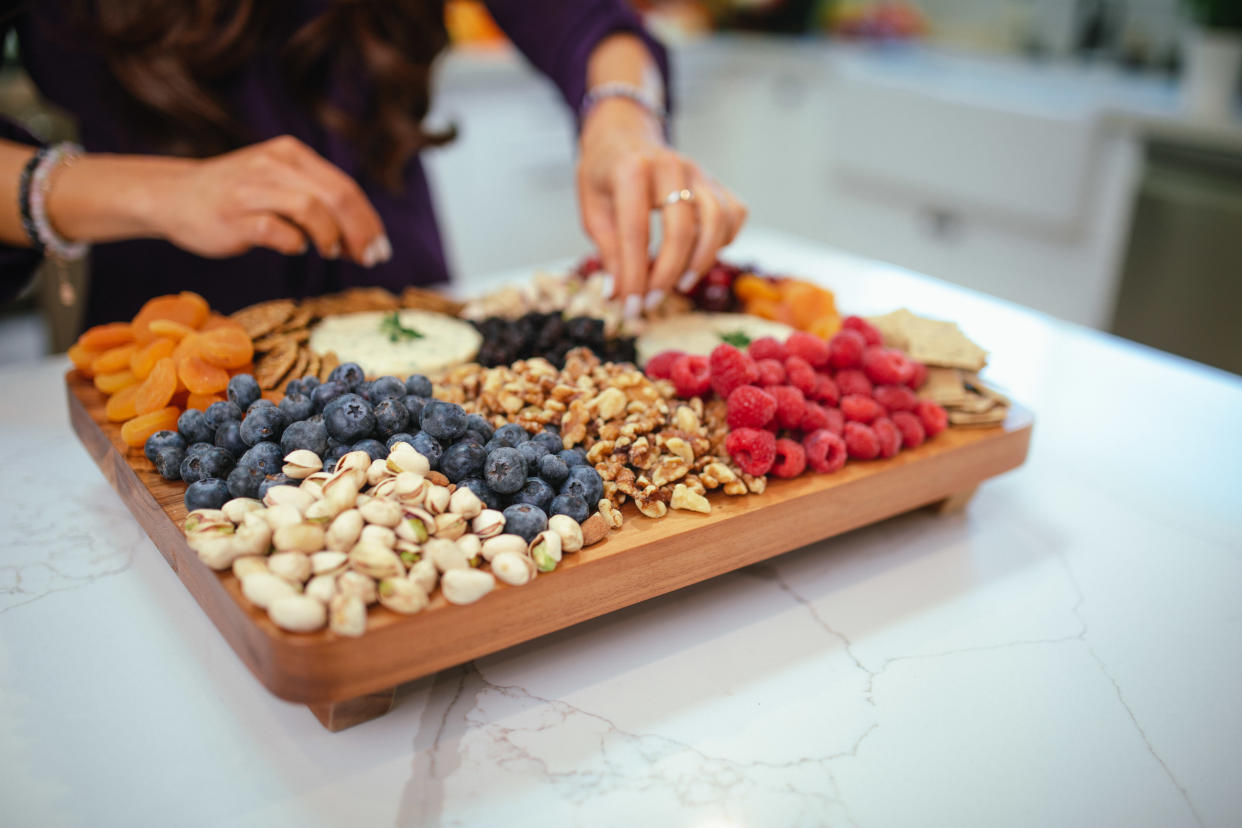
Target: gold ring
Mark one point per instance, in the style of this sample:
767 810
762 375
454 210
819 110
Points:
678 195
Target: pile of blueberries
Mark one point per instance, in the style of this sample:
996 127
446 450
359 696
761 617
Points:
236 448
547 335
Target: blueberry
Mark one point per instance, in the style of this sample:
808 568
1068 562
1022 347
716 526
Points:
334 454
550 440
374 448
257 404
267 457
443 420
168 462
391 417
536 492
294 386
415 406
219 412
428 447
480 426
262 423
281 479
244 390
211 493
525 520
505 470
311 435
387 388
363 389
572 457
348 374
193 427
215 462
571 505
490 499
585 482
161 440
296 407
309 384
195 449
418 385
228 437
349 418
510 434
399 437
191 469
532 453
326 393
244 481
553 469
462 460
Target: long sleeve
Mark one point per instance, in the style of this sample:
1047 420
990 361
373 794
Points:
558 36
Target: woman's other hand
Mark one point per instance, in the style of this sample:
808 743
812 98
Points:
625 170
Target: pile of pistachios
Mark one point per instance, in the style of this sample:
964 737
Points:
386 530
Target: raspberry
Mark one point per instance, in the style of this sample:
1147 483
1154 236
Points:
691 376
660 366
895 397
771 372
886 366
753 449
845 349
869 332
750 407
730 368
890 437
918 375
861 441
836 421
790 405
853 381
808 346
826 390
861 409
790 458
767 347
911 428
800 374
825 451
934 418
814 417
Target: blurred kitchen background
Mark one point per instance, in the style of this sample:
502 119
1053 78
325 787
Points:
1080 157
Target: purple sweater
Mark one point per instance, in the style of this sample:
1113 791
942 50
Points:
557 36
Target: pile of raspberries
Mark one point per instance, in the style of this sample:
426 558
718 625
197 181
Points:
809 401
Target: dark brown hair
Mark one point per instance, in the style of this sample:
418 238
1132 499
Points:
362 66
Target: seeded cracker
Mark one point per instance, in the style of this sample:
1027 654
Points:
273 340
328 364
299 365
264 317
273 366
298 321
312 365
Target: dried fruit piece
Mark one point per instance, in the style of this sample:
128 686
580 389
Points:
121 405
102 337
188 308
227 347
158 388
111 383
144 358
201 401
136 431
201 377
113 359
82 357
169 328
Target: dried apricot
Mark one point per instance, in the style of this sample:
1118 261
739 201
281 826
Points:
181 397
201 401
121 404
201 377
158 388
113 359
227 347
110 335
217 320
187 308
111 383
135 431
748 286
82 357
169 328
144 358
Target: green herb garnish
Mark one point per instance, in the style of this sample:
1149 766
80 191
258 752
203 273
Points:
391 325
738 339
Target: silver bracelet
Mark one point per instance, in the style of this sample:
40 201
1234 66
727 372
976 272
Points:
55 244
648 100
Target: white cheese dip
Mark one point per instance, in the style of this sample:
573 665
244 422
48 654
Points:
362 338
699 333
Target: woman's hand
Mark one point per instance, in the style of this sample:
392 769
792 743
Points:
625 170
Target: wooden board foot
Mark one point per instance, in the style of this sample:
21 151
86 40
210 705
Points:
337 716
954 503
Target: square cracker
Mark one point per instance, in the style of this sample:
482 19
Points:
275 364
264 317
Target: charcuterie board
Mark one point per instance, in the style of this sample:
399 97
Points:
349 680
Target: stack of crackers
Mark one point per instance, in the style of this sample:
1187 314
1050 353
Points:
280 328
953 363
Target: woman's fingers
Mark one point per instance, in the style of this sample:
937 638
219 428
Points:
715 228
680 218
270 230
597 220
290 198
632 198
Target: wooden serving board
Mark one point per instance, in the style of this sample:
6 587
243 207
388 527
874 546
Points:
347 680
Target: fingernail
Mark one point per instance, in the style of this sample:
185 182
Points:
633 306
385 248
687 281
371 255
654 298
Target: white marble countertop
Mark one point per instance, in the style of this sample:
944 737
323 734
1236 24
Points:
1064 652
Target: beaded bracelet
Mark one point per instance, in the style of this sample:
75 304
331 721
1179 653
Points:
23 197
648 100
35 203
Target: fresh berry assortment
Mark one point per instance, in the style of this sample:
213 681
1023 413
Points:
547 335
808 401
